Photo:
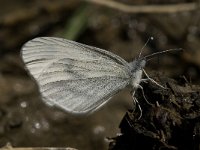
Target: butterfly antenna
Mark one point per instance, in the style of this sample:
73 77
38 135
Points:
150 38
148 57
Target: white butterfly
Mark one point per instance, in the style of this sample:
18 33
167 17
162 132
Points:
77 77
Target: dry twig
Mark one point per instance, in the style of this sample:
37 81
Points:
170 8
8 146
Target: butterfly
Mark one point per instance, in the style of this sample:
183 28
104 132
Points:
80 78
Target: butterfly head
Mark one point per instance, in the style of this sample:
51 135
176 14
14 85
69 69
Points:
137 64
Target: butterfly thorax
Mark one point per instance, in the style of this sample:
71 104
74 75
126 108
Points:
136 67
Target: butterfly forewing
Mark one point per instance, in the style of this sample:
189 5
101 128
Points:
74 76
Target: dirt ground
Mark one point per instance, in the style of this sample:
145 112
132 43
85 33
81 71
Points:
170 121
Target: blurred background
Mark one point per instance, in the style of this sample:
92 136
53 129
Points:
25 121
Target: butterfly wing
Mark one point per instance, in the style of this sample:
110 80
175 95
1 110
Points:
76 77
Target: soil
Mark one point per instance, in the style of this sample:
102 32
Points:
169 121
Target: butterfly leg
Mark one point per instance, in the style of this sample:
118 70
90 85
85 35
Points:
152 80
139 86
137 103
144 80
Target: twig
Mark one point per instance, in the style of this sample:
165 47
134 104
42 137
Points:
170 8
8 146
